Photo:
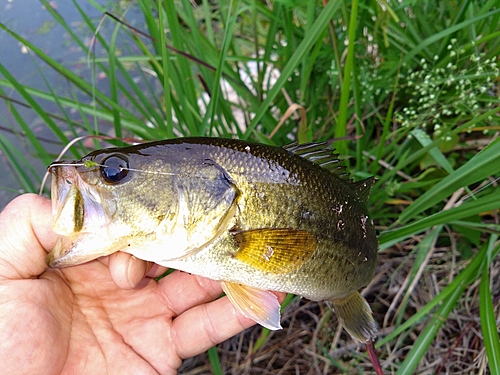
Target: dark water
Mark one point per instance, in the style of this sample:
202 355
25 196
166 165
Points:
30 19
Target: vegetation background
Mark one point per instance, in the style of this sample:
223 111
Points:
405 90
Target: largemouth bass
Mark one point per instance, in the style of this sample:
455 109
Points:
256 218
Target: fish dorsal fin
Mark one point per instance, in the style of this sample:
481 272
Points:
363 187
274 250
317 153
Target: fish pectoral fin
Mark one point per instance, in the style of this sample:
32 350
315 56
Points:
276 250
356 316
262 306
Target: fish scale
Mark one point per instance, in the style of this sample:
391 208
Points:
257 218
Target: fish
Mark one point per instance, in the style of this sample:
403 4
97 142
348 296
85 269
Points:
257 218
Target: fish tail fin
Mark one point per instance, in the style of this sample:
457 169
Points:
356 316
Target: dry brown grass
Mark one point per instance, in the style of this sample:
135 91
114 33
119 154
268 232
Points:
312 341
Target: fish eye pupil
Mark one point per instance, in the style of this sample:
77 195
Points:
114 168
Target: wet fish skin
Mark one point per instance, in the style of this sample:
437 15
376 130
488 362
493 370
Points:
239 212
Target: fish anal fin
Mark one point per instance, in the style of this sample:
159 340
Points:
278 251
356 316
261 306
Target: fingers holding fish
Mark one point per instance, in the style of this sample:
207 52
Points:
204 326
208 324
181 291
127 271
202 317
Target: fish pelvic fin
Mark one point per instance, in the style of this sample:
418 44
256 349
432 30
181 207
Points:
356 317
261 306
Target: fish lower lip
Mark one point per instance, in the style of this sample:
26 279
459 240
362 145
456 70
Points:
53 259
74 250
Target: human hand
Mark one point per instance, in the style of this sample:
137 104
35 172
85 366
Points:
108 316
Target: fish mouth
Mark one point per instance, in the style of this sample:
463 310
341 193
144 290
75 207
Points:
61 253
79 209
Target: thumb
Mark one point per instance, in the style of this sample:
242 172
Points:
25 236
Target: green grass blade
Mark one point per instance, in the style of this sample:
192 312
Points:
345 94
44 156
415 156
469 274
304 47
487 316
113 83
165 60
20 166
486 163
424 139
421 253
128 121
85 87
213 358
208 120
425 339
486 203
208 18
454 290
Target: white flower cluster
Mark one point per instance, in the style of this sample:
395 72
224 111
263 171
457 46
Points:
440 98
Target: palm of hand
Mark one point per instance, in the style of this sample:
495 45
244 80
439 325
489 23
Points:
77 320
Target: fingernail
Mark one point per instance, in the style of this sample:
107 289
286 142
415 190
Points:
149 266
135 271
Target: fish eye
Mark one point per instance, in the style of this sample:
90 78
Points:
114 168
